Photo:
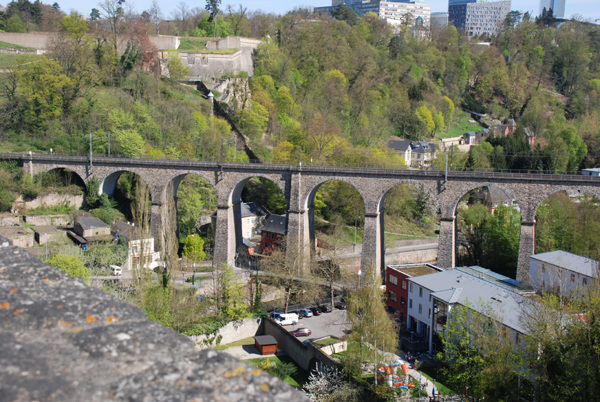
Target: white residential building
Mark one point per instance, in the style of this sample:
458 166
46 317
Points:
561 272
141 254
432 297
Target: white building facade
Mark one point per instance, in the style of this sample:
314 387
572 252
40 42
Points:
478 17
561 272
405 12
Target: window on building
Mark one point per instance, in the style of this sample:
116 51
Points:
429 314
420 308
392 296
393 280
404 285
573 278
584 281
420 291
402 301
409 303
410 287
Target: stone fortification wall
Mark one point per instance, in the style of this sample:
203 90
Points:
37 40
64 341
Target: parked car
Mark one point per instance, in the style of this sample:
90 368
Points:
305 312
285 319
325 308
316 311
301 332
300 316
340 306
116 270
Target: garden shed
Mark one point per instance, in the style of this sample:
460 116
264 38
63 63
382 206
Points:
266 344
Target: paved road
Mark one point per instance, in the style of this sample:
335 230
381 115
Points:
327 324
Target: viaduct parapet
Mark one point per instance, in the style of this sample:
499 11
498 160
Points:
299 184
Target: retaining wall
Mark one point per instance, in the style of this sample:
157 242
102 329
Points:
305 354
49 200
233 331
49 220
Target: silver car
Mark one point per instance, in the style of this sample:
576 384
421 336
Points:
305 312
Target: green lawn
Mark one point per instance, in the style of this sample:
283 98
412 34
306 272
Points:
191 44
295 379
327 341
460 126
241 342
12 60
7 45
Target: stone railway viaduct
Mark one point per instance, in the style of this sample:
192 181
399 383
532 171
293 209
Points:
299 184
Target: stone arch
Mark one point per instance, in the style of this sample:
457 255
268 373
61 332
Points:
173 184
420 185
79 180
235 195
78 170
592 191
503 261
176 180
463 190
307 200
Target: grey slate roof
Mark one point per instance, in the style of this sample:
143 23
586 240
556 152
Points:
90 222
423 147
458 287
252 209
399 145
572 262
275 224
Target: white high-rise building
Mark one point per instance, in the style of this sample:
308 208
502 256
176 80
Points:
557 6
478 17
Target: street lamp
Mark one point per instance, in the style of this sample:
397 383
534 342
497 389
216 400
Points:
354 250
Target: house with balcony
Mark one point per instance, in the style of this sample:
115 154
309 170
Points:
416 155
432 297
562 273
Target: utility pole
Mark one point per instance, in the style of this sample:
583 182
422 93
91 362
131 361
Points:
91 166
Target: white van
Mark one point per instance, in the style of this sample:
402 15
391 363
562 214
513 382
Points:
116 270
286 319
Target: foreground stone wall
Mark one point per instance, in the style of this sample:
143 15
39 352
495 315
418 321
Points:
63 341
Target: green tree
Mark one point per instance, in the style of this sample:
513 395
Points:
371 325
72 265
425 117
193 248
231 294
478 351
212 6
